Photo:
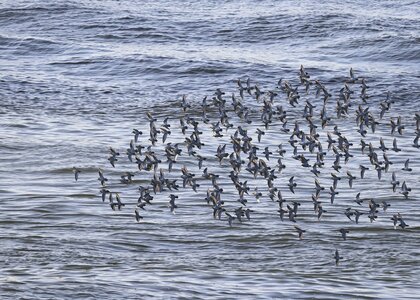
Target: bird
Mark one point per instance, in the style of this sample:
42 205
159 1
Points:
315 171
333 193
300 231
243 201
416 143
405 190
291 214
395 218
267 153
257 194
363 169
172 204
281 211
113 152
357 215
382 146
321 211
394 182
104 192
76 172
394 146
349 213
119 204
352 79
358 200
351 178
318 188
112 159
260 133
344 233
247 213
136 133
385 205
101 178
138 217
230 218
402 224
337 257
141 205
335 180
292 184
406 167
239 212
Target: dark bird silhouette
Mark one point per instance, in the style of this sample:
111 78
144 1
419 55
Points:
337 257
138 217
406 166
101 178
344 233
172 204
300 232
292 184
76 172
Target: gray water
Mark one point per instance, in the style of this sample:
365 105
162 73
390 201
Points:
77 76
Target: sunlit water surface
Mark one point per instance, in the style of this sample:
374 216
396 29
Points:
77 76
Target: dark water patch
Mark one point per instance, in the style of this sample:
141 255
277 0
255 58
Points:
109 37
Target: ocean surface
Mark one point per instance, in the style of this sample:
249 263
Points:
76 77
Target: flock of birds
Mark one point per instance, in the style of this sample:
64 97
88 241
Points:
243 159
